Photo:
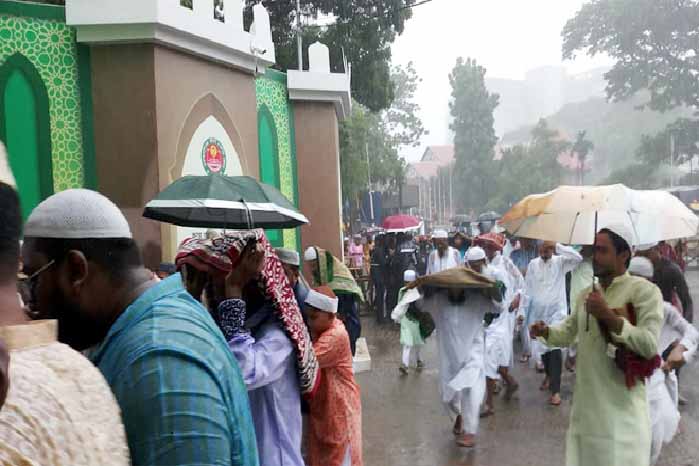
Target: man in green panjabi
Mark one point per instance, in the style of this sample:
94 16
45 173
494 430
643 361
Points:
609 422
328 270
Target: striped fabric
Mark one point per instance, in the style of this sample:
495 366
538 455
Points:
181 393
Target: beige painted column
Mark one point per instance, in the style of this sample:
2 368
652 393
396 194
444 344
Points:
321 100
318 161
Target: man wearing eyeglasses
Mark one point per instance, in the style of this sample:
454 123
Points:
180 391
53 401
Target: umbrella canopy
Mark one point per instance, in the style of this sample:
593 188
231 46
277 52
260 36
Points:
569 214
217 201
401 223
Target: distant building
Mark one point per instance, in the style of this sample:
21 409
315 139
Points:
433 176
541 93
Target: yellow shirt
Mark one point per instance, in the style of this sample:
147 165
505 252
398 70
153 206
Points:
610 424
59 409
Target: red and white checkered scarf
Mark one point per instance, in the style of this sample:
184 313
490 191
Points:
220 254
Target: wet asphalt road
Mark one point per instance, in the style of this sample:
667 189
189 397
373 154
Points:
405 424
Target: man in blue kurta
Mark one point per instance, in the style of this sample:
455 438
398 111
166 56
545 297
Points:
181 393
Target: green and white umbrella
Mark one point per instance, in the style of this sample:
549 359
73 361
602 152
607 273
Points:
230 202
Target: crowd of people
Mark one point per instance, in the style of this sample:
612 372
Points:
620 316
233 356
235 360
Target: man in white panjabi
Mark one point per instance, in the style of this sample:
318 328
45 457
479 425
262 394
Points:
546 288
458 316
499 334
677 346
444 256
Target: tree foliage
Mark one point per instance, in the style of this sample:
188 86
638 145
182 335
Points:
371 141
365 146
656 47
472 108
652 168
528 168
655 44
402 121
363 29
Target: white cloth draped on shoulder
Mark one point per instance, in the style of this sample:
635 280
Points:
662 389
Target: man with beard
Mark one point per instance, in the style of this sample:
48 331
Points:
617 325
458 315
444 256
57 401
180 391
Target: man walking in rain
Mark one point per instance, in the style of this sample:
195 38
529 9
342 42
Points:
609 421
546 286
458 316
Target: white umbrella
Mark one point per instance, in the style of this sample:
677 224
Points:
573 215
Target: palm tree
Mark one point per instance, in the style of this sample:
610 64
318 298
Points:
582 148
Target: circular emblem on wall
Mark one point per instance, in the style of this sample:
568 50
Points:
213 156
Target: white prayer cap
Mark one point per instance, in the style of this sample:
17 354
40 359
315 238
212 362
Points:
646 247
623 231
642 267
409 276
475 254
6 175
322 302
288 256
311 254
440 234
77 214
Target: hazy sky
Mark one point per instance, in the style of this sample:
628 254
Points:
508 37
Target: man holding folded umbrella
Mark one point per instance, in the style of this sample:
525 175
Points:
617 350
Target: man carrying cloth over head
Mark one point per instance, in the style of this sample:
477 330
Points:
609 423
458 315
261 321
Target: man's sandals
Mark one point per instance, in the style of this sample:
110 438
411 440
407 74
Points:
466 440
489 411
510 390
545 385
555 400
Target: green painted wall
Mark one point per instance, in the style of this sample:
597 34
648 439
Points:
277 153
39 35
269 162
22 138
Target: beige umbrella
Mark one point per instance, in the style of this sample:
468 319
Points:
573 215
